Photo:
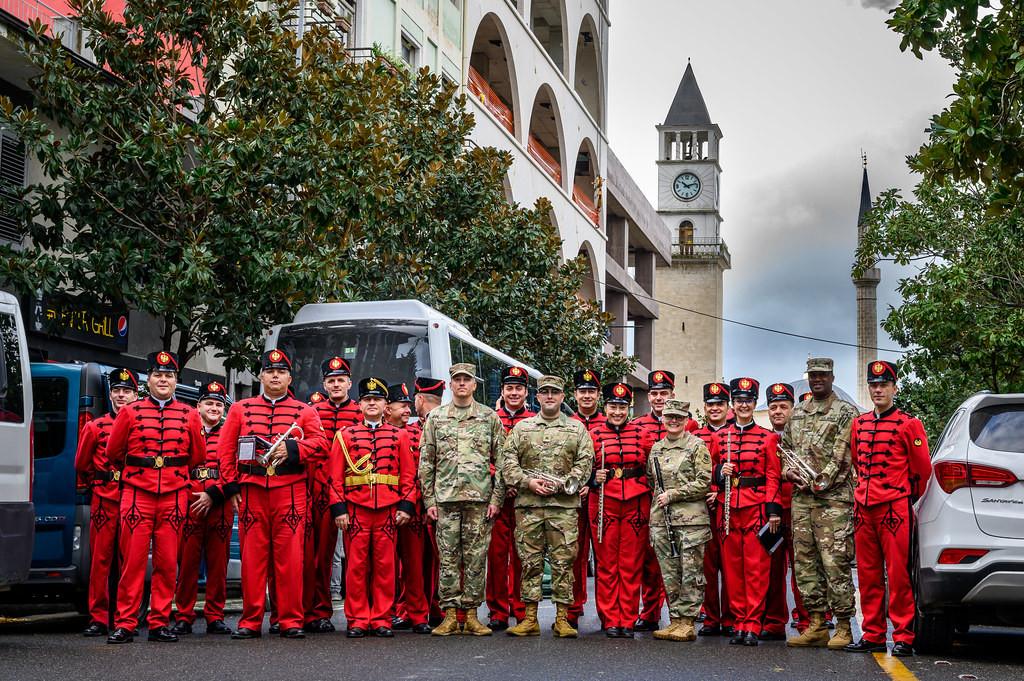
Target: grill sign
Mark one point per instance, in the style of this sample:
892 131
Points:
73 320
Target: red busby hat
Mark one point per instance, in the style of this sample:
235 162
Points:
806 396
213 391
398 393
335 366
587 378
123 378
316 397
373 387
275 359
716 392
514 376
661 380
430 386
163 361
881 371
744 388
779 392
617 393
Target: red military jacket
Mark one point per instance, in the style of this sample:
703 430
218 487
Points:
91 463
207 474
890 455
785 486
372 467
510 419
758 470
715 439
334 418
269 419
656 425
596 419
626 448
415 432
156 446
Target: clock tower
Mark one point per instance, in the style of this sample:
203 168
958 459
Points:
689 180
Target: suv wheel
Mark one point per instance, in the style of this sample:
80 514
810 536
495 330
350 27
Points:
933 631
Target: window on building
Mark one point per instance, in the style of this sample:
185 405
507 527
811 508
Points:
685 237
410 51
12 181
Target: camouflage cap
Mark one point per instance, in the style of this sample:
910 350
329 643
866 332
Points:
820 364
551 382
676 408
463 368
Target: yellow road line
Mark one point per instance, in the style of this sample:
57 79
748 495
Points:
892 666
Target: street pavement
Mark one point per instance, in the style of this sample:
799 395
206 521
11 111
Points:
50 647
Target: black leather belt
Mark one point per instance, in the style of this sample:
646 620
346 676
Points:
748 481
270 471
204 473
626 473
158 461
106 476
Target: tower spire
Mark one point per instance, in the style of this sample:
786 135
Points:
865 285
688 107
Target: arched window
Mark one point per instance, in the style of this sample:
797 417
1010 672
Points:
547 21
685 238
588 68
545 139
491 73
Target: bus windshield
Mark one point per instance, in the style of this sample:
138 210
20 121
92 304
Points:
394 351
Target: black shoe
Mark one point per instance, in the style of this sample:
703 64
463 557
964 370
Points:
326 626
728 631
275 628
737 637
901 649
162 635
866 646
120 635
710 630
574 622
355 632
383 632
293 632
770 636
435 621
95 629
750 639
181 628
217 627
243 634
424 628
613 632
645 625
497 625
627 633
400 624
311 627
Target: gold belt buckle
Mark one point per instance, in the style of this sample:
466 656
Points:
271 471
117 476
158 462
618 473
204 473
736 481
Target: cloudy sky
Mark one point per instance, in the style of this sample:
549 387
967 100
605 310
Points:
798 87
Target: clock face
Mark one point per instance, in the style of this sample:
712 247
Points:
686 186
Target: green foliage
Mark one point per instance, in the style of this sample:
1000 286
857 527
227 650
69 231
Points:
222 203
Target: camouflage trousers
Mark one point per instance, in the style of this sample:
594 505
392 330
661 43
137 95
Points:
823 554
555 530
684 574
463 535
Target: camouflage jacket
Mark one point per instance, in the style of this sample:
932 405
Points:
686 471
458 448
819 431
561 446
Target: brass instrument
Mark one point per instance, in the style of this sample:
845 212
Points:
559 482
264 458
600 504
809 477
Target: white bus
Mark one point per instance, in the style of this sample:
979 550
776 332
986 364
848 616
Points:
17 513
394 340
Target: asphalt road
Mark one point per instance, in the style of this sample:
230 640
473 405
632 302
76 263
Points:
50 647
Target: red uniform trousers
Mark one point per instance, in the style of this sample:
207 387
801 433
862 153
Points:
504 570
149 520
318 557
620 557
208 537
777 614
581 564
653 592
415 567
717 609
271 523
746 567
882 538
104 520
370 577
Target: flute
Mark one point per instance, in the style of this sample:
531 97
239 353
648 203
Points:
600 504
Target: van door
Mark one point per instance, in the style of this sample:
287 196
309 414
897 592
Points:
56 394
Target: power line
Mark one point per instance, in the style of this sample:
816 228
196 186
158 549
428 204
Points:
745 324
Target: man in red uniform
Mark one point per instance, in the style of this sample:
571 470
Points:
889 450
372 493
427 398
780 399
412 610
750 462
621 447
504 570
267 445
587 391
718 617
337 412
103 480
206 534
155 442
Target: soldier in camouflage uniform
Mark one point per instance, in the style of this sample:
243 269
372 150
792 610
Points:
459 450
685 466
819 432
547 512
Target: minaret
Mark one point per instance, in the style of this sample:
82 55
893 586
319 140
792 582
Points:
867 302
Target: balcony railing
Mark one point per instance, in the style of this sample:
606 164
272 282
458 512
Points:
545 159
480 89
61 26
701 249
584 201
337 16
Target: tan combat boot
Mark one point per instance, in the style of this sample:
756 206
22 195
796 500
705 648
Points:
528 626
473 626
685 630
666 633
842 636
448 626
814 636
562 627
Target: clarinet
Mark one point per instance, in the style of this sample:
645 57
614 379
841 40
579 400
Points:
728 482
668 522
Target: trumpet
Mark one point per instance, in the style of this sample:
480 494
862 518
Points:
559 482
265 457
818 482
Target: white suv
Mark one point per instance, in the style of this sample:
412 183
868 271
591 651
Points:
970 545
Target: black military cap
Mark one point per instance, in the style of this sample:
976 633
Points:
617 393
123 378
881 371
587 378
780 392
373 387
514 375
744 388
163 361
716 392
430 386
213 391
316 397
661 380
275 359
398 393
335 366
